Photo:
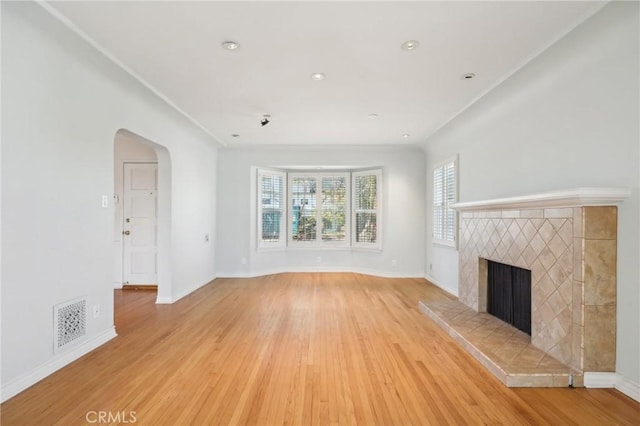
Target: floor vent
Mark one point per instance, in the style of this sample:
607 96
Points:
69 322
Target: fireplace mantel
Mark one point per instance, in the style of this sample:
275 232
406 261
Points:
568 240
577 197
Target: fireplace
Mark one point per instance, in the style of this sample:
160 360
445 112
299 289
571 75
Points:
571 253
568 242
509 294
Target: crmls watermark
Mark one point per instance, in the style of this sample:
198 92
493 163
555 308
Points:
108 417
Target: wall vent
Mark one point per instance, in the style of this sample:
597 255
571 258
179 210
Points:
69 323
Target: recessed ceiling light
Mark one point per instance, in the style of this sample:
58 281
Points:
468 76
318 76
372 116
231 45
406 135
410 45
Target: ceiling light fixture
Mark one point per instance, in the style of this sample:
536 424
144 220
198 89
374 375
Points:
265 120
318 76
372 116
235 135
410 45
406 135
231 45
468 76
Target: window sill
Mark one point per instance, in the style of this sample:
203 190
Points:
270 249
445 243
318 248
367 249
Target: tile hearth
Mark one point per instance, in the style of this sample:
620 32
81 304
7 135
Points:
504 350
568 240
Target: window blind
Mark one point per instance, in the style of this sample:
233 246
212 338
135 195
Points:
271 198
303 215
366 208
444 195
334 208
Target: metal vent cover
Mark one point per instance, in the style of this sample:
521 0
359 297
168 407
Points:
69 322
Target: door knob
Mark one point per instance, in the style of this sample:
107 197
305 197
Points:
126 232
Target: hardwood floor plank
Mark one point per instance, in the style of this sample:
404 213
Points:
296 349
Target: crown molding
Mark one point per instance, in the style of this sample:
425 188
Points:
577 197
101 49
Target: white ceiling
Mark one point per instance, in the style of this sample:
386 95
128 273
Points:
175 47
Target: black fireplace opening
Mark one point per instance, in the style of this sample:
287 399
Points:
509 294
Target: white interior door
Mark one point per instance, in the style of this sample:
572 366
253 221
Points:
139 239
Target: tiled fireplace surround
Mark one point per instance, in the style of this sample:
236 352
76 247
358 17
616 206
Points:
571 252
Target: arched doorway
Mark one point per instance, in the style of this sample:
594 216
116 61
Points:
142 164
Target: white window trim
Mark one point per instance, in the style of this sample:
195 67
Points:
377 246
318 243
287 243
435 239
282 243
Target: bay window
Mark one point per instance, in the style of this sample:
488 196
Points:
317 209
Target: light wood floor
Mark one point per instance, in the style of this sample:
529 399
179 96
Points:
295 349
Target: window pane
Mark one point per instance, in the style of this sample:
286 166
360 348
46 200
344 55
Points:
272 191
444 194
438 225
438 196
334 191
449 225
366 196
438 201
366 208
271 206
450 184
271 225
366 228
303 201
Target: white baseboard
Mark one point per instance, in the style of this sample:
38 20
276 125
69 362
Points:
164 300
160 300
364 271
452 291
19 384
629 388
599 380
612 380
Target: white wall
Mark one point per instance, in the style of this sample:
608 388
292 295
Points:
62 104
403 212
570 118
